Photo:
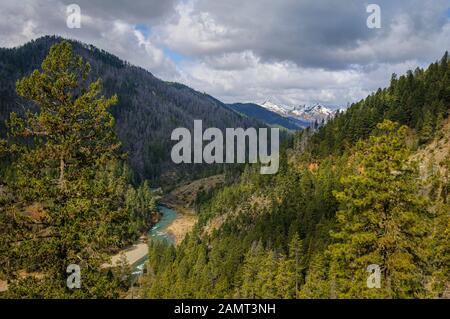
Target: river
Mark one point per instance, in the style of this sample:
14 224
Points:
157 232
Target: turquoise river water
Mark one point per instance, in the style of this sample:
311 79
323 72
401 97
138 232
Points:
157 232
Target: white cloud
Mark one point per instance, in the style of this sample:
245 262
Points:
192 32
302 52
26 20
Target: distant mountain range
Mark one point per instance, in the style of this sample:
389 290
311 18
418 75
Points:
289 117
268 116
304 113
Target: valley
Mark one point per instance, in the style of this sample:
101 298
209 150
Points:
177 218
87 179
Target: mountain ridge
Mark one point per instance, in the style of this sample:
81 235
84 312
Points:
148 108
305 113
270 117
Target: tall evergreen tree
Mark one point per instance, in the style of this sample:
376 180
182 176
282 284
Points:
426 132
295 250
382 221
61 211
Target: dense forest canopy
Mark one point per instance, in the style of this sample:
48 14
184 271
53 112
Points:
347 196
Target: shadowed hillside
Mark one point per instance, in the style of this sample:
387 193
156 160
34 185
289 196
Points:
147 112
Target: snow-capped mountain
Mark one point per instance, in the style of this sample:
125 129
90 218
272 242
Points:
268 116
312 113
282 110
302 112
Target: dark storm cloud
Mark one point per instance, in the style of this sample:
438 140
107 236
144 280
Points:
315 33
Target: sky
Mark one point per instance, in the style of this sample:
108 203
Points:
291 52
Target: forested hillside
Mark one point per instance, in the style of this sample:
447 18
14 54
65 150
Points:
147 111
352 194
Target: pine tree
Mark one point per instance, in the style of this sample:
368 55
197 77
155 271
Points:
317 284
426 132
248 284
382 221
285 279
295 250
439 243
266 286
62 211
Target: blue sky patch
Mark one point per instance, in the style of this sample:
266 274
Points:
145 29
174 56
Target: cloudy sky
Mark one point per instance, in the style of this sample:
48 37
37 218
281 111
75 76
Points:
289 51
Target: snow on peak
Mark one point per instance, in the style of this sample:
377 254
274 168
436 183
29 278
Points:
275 107
302 112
